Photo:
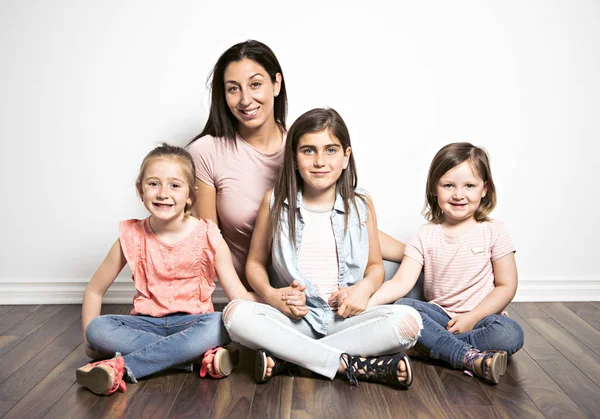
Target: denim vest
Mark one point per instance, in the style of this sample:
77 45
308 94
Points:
352 253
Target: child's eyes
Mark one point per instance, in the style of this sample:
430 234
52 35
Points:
152 183
331 150
470 186
447 186
175 185
308 151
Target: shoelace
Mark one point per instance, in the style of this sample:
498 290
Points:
350 371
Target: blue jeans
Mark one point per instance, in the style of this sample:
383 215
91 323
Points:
495 332
152 344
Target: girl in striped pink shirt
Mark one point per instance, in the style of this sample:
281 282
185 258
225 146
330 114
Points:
469 264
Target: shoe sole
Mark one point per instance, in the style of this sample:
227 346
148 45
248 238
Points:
497 368
225 361
97 379
260 367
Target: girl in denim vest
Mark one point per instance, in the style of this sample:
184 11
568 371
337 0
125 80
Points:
317 233
173 257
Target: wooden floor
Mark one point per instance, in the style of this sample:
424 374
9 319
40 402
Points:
557 374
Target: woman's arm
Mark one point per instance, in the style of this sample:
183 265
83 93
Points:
391 249
353 300
257 262
206 202
228 277
505 288
401 283
102 279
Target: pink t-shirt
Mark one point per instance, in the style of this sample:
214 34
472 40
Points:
171 278
242 175
458 270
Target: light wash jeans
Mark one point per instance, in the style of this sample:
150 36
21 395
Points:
152 344
376 331
495 332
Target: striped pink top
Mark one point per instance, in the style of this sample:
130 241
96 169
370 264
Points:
458 270
171 278
317 258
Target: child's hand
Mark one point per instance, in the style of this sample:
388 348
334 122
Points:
294 301
461 323
348 301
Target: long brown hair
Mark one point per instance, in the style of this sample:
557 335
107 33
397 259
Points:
290 181
447 158
221 122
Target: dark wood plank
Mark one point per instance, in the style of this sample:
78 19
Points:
44 395
539 386
16 315
376 401
7 342
576 352
535 344
273 399
576 385
462 391
235 393
314 398
511 400
195 397
115 405
5 407
28 376
587 311
6 309
428 395
158 396
527 310
29 325
35 342
574 324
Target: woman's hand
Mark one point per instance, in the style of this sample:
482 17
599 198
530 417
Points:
349 301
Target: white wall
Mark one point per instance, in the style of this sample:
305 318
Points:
88 88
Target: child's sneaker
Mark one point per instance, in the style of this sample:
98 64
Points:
103 377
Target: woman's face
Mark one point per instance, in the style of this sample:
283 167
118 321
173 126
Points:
250 93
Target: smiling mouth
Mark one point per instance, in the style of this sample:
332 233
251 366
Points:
162 205
248 112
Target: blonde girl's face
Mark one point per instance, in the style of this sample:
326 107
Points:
320 160
164 190
250 93
459 193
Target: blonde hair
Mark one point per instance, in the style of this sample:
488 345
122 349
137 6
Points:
447 158
181 156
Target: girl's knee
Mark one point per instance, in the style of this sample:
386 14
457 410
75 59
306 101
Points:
232 310
409 325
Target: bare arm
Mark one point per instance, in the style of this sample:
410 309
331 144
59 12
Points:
228 277
391 249
257 262
102 279
206 202
401 283
505 287
353 300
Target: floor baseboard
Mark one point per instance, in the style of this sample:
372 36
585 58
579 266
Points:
70 290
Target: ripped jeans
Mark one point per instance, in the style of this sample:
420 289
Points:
152 344
376 331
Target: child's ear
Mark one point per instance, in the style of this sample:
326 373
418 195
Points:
347 156
484 192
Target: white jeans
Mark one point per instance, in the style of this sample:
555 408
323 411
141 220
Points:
376 331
